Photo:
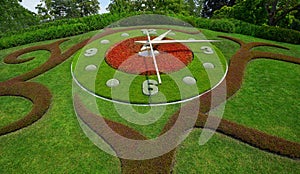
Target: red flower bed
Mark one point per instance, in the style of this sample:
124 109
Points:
125 57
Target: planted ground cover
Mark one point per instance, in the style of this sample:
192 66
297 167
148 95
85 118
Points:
124 59
60 130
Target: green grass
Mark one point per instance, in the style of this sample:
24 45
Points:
224 155
56 143
14 108
269 99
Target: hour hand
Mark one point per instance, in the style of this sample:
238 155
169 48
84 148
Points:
158 38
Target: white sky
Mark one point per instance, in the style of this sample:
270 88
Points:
31 4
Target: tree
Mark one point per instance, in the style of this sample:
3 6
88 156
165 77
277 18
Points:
88 7
278 9
209 6
192 8
155 6
245 10
272 12
57 9
14 16
199 6
44 9
121 6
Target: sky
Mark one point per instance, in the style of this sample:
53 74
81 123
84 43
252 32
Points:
31 4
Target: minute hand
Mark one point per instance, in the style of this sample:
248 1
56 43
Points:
175 41
160 37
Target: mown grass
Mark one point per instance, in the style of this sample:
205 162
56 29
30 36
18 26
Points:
269 97
56 144
14 108
222 154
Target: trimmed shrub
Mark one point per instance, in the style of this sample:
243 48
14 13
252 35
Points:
71 27
240 27
50 33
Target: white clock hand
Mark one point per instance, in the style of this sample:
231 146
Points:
175 41
154 59
160 37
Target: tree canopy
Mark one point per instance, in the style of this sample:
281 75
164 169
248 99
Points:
209 6
284 13
14 16
155 6
57 9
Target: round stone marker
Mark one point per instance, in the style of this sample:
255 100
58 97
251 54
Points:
208 65
91 68
125 35
189 80
172 34
105 42
91 52
112 83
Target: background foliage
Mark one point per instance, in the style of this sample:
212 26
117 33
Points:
58 9
279 13
70 27
14 16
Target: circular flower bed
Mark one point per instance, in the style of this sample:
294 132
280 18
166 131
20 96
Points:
125 57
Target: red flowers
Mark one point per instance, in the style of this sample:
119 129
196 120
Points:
125 57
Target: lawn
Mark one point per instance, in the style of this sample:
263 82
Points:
268 101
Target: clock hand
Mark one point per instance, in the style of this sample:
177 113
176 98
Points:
154 59
174 41
160 37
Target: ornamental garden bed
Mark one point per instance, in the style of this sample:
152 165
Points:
57 135
130 61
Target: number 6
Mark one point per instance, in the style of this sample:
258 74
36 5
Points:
150 87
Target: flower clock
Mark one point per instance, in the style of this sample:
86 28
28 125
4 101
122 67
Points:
142 84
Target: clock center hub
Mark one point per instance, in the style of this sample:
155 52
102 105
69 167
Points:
147 53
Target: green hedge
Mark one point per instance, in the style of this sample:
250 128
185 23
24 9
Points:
58 29
240 27
50 33
69 27
95 21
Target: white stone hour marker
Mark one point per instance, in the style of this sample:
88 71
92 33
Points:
125 35
189 80
112 83
208 65
105 42
91 68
